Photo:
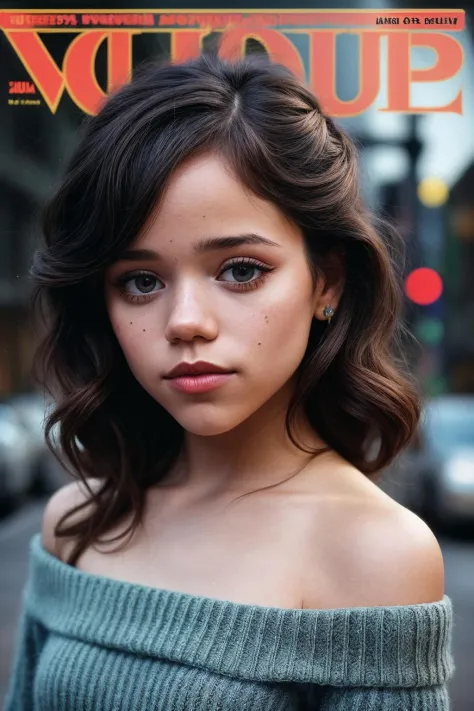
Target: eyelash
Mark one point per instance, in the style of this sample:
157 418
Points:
122 281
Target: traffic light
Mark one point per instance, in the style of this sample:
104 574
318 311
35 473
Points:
423 286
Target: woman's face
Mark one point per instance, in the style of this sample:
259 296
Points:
246 307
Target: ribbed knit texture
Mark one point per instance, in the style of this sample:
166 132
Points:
90 643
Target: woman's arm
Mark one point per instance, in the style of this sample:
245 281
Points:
31 635
393 650
30 638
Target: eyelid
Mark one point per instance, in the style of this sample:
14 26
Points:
243 260
128 276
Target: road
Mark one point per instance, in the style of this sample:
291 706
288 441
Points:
16 531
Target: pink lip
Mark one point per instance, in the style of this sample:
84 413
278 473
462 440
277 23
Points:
199 383
199 367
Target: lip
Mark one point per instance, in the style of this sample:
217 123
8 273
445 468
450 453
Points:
199 383
200 367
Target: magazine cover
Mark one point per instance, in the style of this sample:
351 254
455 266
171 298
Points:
389 85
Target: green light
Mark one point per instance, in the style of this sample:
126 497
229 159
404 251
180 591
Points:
430 331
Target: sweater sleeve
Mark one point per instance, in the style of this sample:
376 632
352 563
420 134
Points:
396 658
30 638
434 698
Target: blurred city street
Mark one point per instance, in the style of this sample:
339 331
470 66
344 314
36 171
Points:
16 530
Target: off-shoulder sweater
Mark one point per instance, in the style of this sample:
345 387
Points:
91 643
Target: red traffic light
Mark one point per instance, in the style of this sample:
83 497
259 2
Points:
423 286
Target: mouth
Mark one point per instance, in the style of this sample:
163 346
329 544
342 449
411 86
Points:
197 370
199 383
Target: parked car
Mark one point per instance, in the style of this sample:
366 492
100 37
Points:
435 476
17 458
47 474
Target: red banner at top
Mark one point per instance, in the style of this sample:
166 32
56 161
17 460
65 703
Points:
447 20
279 32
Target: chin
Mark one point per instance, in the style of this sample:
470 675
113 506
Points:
210 431
205 428
205 422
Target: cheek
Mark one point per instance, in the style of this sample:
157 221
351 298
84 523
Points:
287 321
132 334
280 341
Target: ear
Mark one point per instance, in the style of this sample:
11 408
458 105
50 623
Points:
331 283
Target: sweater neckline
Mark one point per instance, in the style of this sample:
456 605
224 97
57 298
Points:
177 595
398 646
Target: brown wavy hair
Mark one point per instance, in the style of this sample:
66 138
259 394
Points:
353 382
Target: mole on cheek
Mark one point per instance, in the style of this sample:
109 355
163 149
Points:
259 344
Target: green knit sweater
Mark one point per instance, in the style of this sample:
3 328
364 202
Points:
90 643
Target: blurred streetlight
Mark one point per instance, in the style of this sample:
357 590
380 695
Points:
432 192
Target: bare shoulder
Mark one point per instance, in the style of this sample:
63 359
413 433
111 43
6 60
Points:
65 499
372 551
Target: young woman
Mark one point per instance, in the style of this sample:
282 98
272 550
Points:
223 347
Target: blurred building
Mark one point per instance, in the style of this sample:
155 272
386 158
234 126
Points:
460 284
31 151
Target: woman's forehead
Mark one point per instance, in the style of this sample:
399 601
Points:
203 199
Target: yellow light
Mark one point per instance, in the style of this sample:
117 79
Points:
432 192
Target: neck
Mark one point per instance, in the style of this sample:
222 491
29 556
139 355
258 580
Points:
255 454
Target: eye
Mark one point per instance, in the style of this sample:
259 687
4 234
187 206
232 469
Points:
144 283
138 285
241 271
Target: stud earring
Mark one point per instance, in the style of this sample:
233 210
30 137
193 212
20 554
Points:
328 313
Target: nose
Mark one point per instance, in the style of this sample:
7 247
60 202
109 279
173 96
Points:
191 315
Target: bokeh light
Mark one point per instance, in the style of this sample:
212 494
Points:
423 286
432 192
430 331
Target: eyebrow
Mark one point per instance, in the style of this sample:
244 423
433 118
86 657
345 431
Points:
207 244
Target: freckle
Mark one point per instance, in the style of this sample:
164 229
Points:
171 241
